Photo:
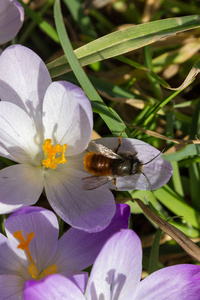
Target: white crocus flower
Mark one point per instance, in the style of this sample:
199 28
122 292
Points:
43 124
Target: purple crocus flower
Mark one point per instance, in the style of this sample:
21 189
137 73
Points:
43 125
116 275
32 250
11 20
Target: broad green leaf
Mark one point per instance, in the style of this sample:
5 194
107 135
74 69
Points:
123 41
189 150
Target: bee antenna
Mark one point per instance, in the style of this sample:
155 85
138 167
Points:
153 158
147 179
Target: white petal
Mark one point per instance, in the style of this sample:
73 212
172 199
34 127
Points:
67 117
4 153
20 185
18 135
24 79
87 210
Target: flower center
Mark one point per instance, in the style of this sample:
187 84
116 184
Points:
24 245
55 155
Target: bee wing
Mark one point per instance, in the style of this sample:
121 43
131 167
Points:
93 182
99 148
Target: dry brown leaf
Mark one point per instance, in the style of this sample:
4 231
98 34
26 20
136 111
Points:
191 248
95 135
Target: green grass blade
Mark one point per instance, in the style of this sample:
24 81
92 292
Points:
194 175
153 260
153 82
78 14
195 124
176 179
175 204
109 88
159 106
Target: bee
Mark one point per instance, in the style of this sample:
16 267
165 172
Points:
106 165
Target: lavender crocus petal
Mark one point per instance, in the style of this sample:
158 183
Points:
117 269
24 79
66 120
175 282
51 288
158 171
10 264
17 133
12 17
11 287
87 210
78 250
20 185
21 10
80 280
43 223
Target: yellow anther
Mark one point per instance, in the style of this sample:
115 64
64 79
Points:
52 154
24 245
33 271
48 271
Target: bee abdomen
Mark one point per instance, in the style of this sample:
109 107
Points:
97 164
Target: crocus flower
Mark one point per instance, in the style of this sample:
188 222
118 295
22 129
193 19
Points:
43 124
116 275
11 19
32 250
136 165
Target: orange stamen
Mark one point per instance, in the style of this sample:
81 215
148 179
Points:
51 152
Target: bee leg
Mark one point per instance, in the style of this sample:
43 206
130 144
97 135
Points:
115 184
119 142
91 176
